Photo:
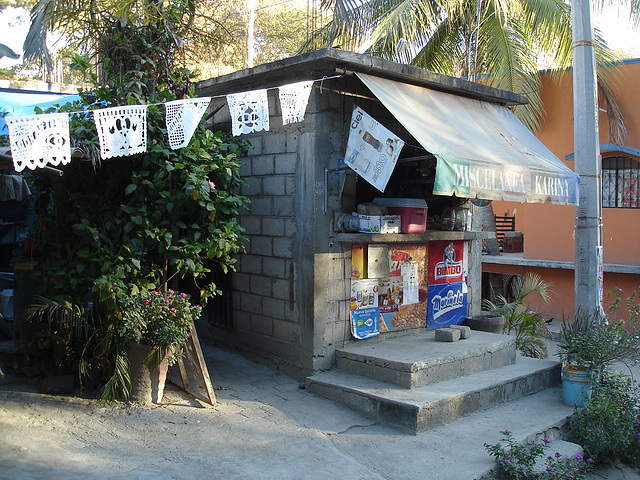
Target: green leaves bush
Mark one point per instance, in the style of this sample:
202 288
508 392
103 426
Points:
117 228
609 425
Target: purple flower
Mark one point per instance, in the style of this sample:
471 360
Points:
524 467
578 457
507 432
550 469
183 295
558 455
507 462
546 440
589 460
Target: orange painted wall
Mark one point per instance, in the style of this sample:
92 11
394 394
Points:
561 303
549 229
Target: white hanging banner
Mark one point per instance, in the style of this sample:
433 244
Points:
293 101
121 130
38 140
372 150
249 111
182 118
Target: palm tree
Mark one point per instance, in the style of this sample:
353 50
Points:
501 40
195 26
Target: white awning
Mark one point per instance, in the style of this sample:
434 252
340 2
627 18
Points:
482 149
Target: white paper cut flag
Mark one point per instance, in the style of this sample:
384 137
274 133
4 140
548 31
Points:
249 111
182 118
293 101
121 130
38 140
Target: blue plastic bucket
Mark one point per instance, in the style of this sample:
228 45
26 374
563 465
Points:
576 386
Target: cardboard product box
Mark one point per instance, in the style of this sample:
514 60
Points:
378 223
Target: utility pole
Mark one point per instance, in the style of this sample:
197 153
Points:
588 223
251 6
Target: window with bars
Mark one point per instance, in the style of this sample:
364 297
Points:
620 182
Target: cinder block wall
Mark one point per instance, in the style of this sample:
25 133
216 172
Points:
290 294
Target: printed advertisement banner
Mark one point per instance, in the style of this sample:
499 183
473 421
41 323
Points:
447 305
446 262
365 322
372 150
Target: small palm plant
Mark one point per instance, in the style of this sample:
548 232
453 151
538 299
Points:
529 327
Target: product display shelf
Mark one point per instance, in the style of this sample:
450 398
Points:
362 238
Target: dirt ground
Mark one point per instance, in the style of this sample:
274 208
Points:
48 436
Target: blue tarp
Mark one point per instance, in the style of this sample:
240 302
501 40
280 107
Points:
24 103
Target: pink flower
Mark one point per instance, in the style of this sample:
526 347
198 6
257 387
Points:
155 293
173 310
166 300
171 292
183 295
145 302
212 186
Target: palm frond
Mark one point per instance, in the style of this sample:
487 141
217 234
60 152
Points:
119 385
62 315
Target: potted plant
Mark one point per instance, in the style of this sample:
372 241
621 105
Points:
154 328
528 326
588 345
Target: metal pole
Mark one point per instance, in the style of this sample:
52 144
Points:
251 5
588 223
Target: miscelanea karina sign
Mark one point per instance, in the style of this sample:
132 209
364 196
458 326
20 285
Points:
446 305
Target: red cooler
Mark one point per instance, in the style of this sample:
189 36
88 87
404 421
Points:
412 210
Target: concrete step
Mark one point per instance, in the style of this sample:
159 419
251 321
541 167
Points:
419 409
416 360
456 451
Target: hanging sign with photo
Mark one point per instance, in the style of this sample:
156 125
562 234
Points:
38 140
372 150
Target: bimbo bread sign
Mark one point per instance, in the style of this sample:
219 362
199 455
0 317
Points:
446 262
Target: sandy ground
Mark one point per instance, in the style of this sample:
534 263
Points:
263 428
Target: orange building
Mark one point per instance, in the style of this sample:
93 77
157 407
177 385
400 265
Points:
548 230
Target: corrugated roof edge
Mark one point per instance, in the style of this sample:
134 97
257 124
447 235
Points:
325 62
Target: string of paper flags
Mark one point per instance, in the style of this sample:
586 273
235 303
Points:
40 140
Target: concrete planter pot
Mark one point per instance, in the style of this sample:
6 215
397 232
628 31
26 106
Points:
486 322
147 386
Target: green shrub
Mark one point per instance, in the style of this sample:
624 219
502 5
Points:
609 425
516 461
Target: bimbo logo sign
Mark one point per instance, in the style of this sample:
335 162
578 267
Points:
448 268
